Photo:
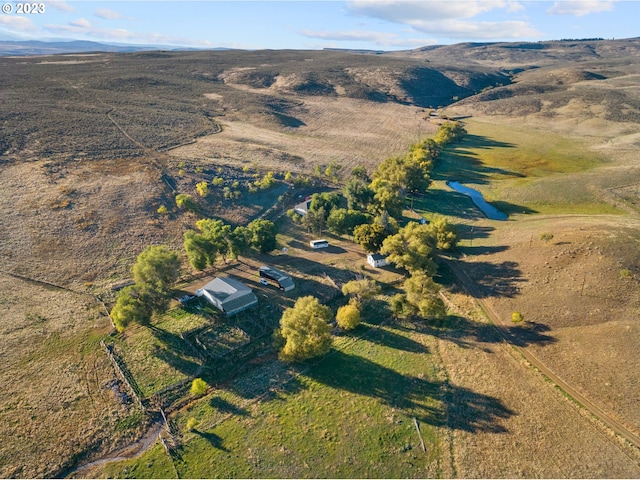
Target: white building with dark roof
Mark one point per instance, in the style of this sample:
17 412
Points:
228 295
377 260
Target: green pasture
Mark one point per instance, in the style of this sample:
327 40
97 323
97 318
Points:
520 170
347 415
158 357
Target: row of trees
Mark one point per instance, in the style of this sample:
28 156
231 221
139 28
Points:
215 239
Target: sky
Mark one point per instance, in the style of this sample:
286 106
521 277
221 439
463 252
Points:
301 24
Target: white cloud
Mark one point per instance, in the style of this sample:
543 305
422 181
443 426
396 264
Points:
460 29
107 14
125 36
382 39
448 19
21 24
60 5
81 22
580 8
405 11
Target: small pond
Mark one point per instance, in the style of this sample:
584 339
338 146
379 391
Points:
490 211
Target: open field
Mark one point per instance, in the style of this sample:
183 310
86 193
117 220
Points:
60 401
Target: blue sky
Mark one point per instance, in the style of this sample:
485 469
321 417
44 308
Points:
302 24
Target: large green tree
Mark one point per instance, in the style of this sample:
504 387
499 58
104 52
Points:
370 236
444 233
133 305
305 330
411 248
342 221
422 293
263 235
157 267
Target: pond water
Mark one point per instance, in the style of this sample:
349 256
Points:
490 211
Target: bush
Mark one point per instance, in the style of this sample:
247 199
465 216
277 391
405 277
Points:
516 317
348 316
191 424
202 188
198 387
186 201
162 210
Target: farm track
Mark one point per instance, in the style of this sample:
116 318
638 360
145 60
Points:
594 410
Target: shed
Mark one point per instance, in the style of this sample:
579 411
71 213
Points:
377 260
274 275
228 295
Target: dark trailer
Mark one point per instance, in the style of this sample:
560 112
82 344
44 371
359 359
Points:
276 277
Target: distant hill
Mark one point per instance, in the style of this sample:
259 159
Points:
35 47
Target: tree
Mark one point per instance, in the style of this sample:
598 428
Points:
157 267
411 248
315 220
422 293
342 220
200 252
263 235
198 387
239 241
186 201
449 132
358 193
370 236
387 198
361 289
305 330
348 316
327 201
443 233
360 173
132 306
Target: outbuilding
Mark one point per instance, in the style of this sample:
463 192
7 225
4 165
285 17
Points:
377 260
228 295
275 276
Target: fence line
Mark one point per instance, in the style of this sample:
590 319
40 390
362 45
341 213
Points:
124 373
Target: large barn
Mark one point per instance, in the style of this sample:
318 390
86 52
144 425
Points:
228 295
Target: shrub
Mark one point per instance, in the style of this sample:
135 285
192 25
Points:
191 424
516 317
198 387
162 210
546 236
202 188
186 201
348 316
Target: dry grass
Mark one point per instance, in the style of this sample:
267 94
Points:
348 131
56 405
571 289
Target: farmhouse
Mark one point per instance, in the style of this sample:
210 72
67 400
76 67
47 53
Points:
303 207
377 260
273 275
228 295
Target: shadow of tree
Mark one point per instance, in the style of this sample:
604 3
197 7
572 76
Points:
223 406
463 165
466 333
492 279
214 440
171 349
471 412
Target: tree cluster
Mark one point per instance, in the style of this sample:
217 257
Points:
215 239
155 271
